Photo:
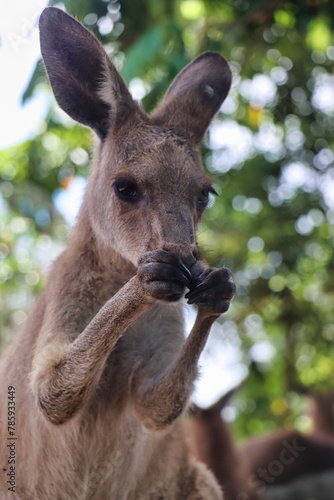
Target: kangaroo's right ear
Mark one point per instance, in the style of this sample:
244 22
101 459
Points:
85 83
219 405
195 96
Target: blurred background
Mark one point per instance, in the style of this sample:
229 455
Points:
271 154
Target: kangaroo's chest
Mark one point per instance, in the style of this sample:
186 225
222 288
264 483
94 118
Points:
148 347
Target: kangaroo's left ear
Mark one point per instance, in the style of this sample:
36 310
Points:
195 96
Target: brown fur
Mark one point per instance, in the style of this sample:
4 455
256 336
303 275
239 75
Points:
284 456
212 443
316 450
102 371
320 409
245 472
314 453
322 415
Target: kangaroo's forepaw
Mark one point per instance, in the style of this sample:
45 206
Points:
214 290
163 275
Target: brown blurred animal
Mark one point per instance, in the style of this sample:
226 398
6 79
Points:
212 442
288 454
247 471
283 456
321 410
101 374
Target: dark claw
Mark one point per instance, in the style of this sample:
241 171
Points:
156 271
187 273
164 257
215 290
198 288
228 289
164 276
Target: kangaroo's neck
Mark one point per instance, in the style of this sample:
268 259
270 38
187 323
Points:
93 255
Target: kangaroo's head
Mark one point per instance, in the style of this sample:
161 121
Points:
147 189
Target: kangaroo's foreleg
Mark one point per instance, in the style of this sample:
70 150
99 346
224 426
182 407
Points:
65 374
161 400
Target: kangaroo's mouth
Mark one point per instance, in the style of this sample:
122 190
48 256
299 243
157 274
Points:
173 298
193 264
196 268
187 271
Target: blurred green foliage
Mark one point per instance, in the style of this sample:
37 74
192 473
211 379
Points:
270 150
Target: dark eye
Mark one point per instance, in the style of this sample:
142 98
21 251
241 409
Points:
204 198
126 189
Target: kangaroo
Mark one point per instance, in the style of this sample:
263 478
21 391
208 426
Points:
287 455
250 471
101 374
284 456
321 410
212 443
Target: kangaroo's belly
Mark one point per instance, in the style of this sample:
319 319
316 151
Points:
68 465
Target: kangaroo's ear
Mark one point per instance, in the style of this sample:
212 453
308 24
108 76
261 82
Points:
195 96
218 406
85 83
